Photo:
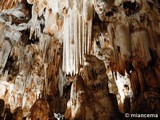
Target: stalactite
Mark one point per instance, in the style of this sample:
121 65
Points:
151 36
50 25
135 85
4 54
24 99
79 39
141 46
122 36
139 74
75 33
61 82
45 75
120 64
66 42
125 37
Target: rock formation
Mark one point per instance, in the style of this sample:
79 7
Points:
73 57
90 98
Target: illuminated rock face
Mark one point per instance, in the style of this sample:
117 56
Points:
45 42
40 110
95 75
133 41
89 97
84 105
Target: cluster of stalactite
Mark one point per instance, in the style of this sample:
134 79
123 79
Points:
30 68
130 41
66 56
89 97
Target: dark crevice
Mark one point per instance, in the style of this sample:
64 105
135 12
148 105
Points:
12 68
131 7
154 57
111 12
25 37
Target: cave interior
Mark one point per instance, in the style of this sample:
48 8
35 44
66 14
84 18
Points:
79 59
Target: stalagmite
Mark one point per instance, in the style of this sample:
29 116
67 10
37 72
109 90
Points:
73 57
40 110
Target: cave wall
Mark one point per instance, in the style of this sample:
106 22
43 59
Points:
45 44
132 46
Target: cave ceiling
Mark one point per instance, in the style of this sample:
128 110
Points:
47 45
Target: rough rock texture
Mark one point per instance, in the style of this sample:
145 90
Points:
43 46
133 42
148 102
82 106
2 104
89 97
18 114
40 110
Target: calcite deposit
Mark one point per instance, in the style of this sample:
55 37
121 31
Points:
79 59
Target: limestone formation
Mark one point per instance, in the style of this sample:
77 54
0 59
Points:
57 56
40 110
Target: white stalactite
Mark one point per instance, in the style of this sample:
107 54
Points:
77 37
4 54
45 75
